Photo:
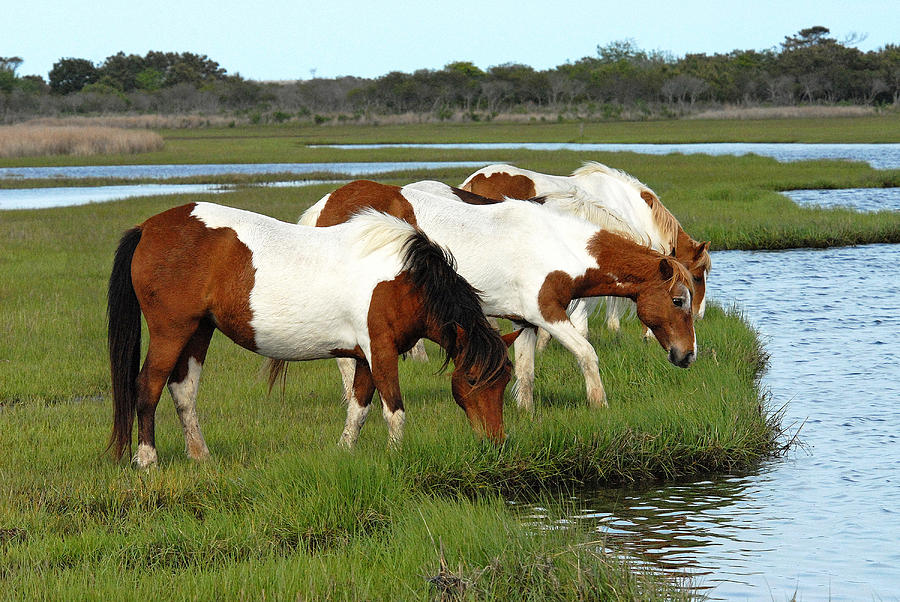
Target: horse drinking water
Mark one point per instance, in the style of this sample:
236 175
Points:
365 290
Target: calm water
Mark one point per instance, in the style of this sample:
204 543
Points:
879 156
825 522
861 199
44 198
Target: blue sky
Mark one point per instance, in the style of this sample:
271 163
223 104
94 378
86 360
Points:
266 40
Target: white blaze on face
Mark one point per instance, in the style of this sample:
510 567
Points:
702 309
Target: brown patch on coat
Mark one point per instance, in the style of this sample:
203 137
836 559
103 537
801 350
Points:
555 295
361 194
649 198
355 353
501 184
182 270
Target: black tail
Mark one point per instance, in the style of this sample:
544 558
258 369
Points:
124 316
450 301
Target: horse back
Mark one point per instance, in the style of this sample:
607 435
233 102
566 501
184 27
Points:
343 203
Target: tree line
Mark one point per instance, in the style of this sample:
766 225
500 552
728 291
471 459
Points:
808 67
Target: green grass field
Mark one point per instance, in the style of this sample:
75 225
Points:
280 512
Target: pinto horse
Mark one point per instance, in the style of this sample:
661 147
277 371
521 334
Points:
530 263
592 186
366 290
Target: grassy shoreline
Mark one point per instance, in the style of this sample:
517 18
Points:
279 509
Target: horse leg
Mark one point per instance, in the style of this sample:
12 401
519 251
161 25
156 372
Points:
543 339
387 381
347 368
183 384
566 333
359 401
418 353
524 367
615 307
162 355
579 311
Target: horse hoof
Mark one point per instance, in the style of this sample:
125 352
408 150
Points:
145 457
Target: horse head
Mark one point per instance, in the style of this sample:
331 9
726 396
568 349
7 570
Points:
664 306
479 379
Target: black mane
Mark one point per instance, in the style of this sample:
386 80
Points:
450 300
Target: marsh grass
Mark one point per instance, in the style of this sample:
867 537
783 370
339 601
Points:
279 510
31 141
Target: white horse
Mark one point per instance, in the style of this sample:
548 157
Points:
588 189
529 263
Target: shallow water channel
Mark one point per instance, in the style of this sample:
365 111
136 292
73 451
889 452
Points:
824 522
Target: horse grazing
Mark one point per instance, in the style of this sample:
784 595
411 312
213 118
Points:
594 186
366 290
530 263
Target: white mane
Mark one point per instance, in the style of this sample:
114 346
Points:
376 230
664 219
575 202
594 167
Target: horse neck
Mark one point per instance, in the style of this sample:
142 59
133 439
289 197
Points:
624 268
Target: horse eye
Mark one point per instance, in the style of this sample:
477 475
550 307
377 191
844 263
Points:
698 279
471 381
678 302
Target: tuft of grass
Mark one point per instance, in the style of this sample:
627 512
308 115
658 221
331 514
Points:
30 141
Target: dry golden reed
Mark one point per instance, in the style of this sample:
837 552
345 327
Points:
32 141
792 112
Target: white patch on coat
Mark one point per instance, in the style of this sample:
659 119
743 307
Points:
313 286
395 421
184 394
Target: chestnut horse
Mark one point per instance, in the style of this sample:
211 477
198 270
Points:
530 263
366 290
596 185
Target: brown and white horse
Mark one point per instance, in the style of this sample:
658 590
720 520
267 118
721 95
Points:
366 290
530 263
595 185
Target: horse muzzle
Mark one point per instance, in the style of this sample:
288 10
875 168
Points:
681 359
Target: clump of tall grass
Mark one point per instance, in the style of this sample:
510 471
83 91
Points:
783 112
29 141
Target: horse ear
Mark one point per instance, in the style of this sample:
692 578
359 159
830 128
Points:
665 269
648 197
510 338
704 247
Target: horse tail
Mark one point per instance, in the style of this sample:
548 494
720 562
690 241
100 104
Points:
124 317
452 302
